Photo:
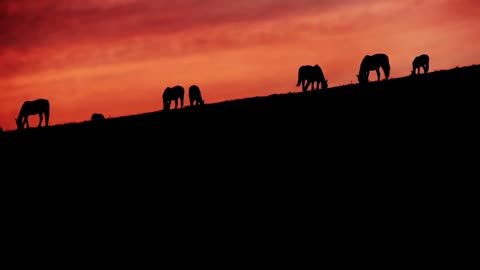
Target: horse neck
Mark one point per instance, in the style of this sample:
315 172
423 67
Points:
385 65
365 66
324 83
46 112
21 113
362 68
321 77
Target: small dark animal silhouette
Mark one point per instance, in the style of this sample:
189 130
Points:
32 107
310 74
373 62
421 61
195 95
97 117
173 93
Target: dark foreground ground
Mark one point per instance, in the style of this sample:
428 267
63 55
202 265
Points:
352 121
390 128
377 174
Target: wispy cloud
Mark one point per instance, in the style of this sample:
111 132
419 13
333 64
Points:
32 23
58 47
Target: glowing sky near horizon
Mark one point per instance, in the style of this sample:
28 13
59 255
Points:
117 56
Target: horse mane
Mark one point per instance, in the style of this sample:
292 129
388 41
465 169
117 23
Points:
320 74
363 64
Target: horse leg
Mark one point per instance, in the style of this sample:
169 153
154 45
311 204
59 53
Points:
308 85
303 86
40 115
378 74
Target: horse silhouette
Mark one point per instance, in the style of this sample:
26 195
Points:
97 117
33 107
373 62
173 93
195 95
421 61
310 74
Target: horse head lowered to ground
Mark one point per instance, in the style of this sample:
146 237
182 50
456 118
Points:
371 63
195 95
310 75
173 93
421 61
33 107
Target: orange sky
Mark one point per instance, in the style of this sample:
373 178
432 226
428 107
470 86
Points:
117 56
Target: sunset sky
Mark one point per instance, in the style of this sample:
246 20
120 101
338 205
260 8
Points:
117 56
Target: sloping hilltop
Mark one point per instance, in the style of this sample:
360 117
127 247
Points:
378 146
399 111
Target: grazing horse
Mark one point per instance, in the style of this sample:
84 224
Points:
97 117
374 62
421 61
173 93
32 107
195 95
311 74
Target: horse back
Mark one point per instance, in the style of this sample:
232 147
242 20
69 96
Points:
381 59
309 71
421 59
194 91
174 92
35 107
373 62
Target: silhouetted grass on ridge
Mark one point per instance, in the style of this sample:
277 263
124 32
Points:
412 102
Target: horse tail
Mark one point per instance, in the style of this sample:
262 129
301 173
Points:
182 95
299 76
387 71
322 76
21 113
47 113
386 68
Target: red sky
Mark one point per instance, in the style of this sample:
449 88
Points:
117 56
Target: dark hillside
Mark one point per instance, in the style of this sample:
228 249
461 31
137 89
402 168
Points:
407 116
357 159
